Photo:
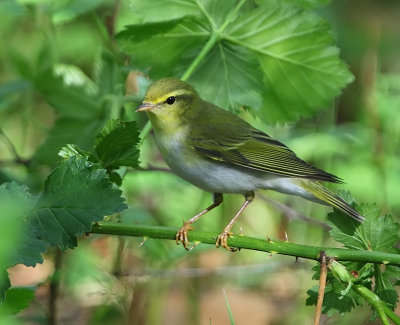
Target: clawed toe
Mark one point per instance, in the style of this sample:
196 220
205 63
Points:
222 241
182 235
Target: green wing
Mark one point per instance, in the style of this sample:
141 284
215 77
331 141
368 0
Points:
237 143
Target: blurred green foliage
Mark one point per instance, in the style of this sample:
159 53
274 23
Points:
66 70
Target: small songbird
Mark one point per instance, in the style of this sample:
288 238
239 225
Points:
220 153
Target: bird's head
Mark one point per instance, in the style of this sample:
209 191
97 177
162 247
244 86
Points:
169 99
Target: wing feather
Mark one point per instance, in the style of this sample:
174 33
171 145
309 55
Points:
257 150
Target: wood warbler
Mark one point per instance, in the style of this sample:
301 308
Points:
221 153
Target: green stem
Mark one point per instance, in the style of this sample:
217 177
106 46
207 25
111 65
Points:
145 132
378 304
231 15
285 248
391 314
200 57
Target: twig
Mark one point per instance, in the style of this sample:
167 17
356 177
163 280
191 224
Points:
10 145
110 20
321 290
155 168
293 214
18 160
54 287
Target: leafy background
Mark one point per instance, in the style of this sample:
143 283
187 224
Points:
72 72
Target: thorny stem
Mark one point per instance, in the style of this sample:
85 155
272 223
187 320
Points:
278 247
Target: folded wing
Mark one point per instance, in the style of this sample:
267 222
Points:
253 149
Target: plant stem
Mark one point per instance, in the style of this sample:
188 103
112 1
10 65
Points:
196 62
145 132
321 290
376 302
200 57
279 247
232 15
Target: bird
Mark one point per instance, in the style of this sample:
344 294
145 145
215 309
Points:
221 153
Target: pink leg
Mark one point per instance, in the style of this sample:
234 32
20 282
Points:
222 239
182 235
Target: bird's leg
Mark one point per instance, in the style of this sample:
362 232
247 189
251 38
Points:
182 235
223 237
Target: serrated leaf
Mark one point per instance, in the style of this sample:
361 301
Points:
30 248
375 233
71 150
74 96
81 132
84 105
333 298
75 195
287 62
237 73
178 40
17 243
17 299
301 65
384 284
15 202
116 145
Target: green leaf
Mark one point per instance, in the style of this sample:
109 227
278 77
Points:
157 10
71 150
30 248
84 105
295 48
64 11
21 245
384 284
116 145
178 40
310 3
11 88
277 58
81 132
333 298
69 91
75 194
108 75
237 73
18 244
4 284
375 233
17 299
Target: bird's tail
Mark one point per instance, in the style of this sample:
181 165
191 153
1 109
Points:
330 198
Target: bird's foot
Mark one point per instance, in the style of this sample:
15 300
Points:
222 241
182 235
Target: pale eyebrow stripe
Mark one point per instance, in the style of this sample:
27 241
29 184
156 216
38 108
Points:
175 93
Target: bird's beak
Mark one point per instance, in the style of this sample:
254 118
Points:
145 107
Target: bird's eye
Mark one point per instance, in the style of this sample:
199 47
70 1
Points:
171 100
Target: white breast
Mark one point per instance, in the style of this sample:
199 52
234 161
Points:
206 174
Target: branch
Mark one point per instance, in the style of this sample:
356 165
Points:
321 289
291 213
279 247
